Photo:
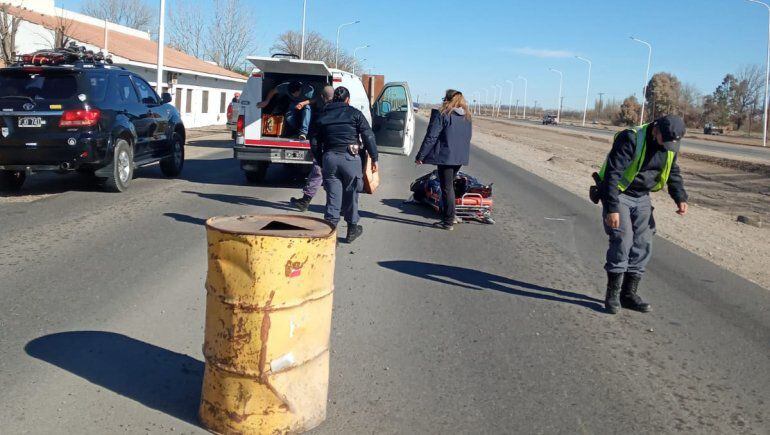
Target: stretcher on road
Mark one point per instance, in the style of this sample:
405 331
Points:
473 199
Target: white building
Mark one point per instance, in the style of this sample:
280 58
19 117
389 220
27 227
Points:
200 90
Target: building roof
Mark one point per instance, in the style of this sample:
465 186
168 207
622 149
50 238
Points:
126 46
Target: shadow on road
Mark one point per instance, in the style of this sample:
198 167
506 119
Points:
477 280
186 218
411 208
158 378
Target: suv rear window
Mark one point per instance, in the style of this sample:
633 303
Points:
38 86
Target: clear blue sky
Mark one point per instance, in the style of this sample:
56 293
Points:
471 45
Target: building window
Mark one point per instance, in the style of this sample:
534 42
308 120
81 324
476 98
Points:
178 99
223 102
205 105
188 103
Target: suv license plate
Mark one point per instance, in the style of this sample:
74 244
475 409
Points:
294 155
30 122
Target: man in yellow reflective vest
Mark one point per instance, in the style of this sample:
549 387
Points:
642 160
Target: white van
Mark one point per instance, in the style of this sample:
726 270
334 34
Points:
391 117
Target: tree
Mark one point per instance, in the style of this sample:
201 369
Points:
187 30
663 95
629 112
745 94
716 107
9 27
232 33
316 48
136 14
689 105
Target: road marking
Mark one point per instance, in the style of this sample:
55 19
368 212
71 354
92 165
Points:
555 219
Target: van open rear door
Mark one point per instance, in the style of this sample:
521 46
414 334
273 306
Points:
393 119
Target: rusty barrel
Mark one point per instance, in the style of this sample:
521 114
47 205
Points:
268 319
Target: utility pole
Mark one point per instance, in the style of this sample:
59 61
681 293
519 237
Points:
767 74
526 83
597 115
517 107
161 38
561 81
304 14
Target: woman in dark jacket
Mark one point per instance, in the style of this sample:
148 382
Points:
447 144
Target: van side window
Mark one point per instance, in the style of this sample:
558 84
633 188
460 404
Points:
393 100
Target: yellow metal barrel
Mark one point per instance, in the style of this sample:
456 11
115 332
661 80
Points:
268 319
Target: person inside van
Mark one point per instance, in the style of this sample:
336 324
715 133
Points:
315 179
294 100
447 144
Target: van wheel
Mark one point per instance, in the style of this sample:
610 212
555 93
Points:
122 167
172 165
258 175
11 181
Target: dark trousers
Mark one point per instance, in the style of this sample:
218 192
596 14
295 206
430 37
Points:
446 175
342 180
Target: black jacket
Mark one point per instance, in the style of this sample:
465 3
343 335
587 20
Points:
620 158
338 126
448 139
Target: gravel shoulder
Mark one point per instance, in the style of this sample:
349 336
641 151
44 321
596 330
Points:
719 191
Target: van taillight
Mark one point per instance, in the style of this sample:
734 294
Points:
230 111
80 118
239 126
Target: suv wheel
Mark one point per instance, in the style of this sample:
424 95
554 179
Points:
11 181
258 175
172 165
122 167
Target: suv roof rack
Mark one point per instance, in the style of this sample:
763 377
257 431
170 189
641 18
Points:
73 54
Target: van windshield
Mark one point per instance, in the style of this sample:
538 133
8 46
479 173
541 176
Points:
38 86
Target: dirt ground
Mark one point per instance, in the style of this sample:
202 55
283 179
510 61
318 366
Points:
719 191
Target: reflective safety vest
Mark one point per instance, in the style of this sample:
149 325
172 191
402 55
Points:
636 165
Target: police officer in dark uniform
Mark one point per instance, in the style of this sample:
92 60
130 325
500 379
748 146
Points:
642 160
335 138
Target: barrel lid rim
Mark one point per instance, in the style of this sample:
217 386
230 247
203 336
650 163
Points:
292 234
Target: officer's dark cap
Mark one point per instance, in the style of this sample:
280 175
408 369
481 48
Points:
672 129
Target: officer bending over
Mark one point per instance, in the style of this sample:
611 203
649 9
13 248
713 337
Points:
334 142
642 160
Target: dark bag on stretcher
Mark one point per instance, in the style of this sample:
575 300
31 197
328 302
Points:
427 189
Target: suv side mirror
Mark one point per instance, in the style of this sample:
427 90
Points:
165 98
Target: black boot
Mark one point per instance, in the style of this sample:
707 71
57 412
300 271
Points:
353 232
302 204
612 299
628 297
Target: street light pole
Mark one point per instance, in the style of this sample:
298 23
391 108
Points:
561 81
486 98
499 99
354 66
767 73
510 98
304 15
588 87
161 37
646 76
337 49
354 56
525 95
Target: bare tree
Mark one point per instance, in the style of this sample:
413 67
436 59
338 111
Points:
9 27
690 105
187 30
232 33
135 14
316 48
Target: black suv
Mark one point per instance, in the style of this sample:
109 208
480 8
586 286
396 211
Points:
71 110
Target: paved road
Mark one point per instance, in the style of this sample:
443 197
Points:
712 148
489 329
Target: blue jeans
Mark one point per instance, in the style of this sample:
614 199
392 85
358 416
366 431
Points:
298 120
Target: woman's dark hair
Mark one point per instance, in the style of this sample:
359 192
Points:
341 94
